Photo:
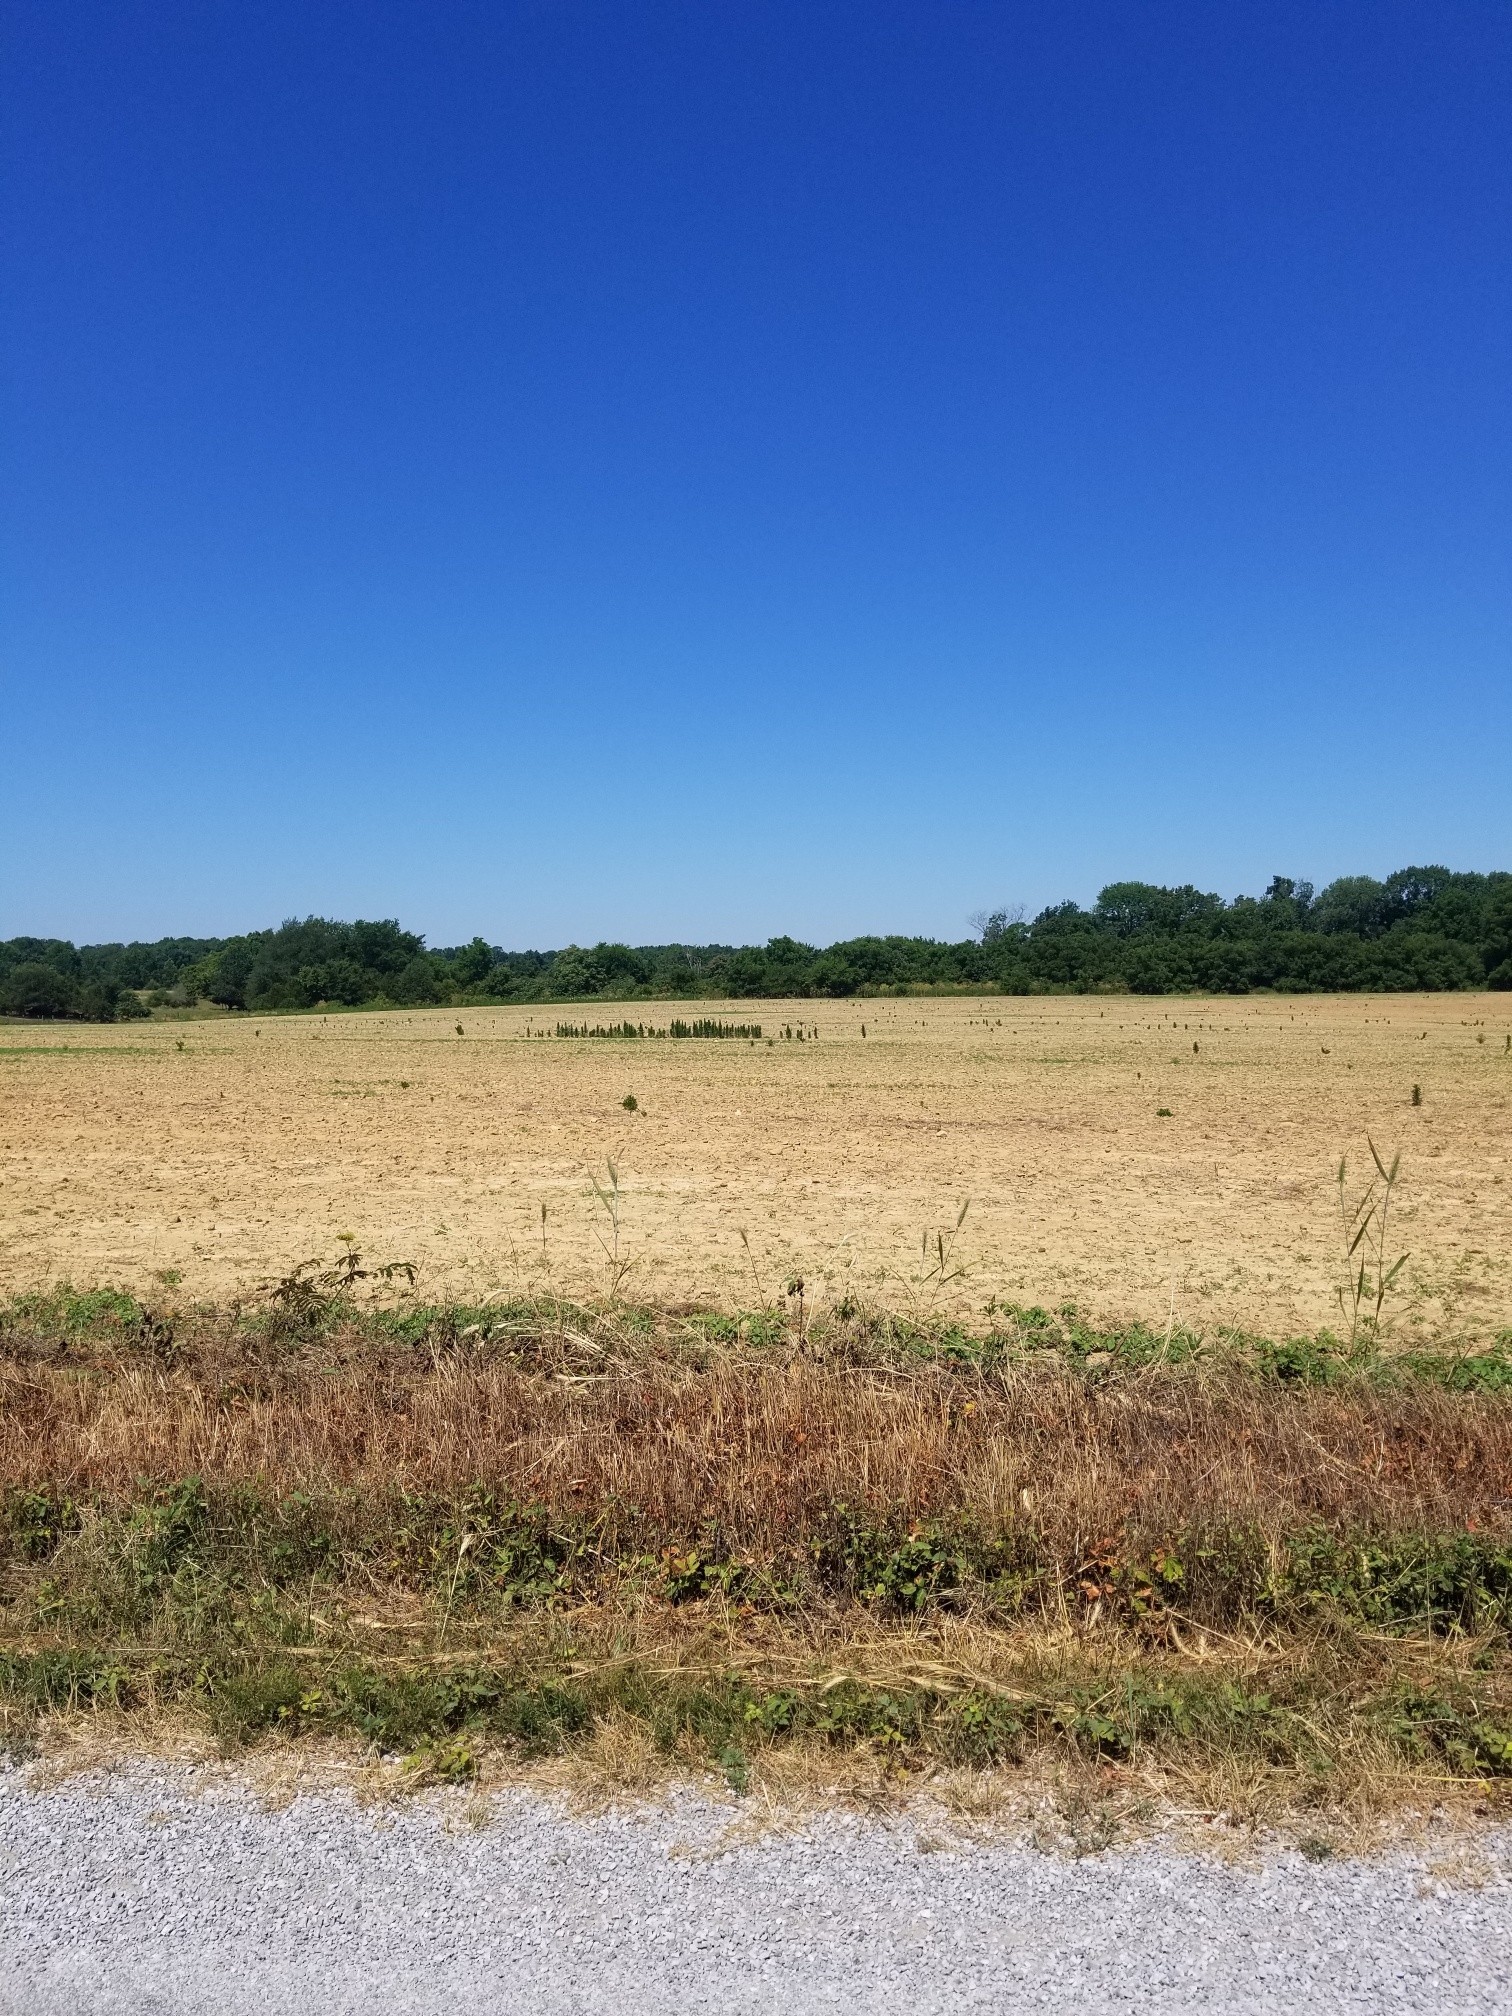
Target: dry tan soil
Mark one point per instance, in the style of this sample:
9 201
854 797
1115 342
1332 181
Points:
226 1150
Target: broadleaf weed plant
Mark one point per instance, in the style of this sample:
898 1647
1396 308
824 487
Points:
311 1291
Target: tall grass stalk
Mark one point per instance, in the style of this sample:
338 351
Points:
610 1197
1365 1225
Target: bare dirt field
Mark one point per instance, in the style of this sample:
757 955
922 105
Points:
226 1150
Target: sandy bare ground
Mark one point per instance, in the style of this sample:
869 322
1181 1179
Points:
224 1151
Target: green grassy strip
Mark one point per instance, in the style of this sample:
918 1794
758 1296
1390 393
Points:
63 1318
191 1564
441 1715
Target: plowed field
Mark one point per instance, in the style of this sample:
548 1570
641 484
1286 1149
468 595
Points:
227 1150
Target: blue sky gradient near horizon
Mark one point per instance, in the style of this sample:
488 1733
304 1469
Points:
691 472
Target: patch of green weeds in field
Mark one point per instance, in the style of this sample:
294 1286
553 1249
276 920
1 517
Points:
1487 1371
41 1683
1034 1324
454 1763
1137 1712
438 1721
1144 1583
483 1546
973 1727
713 1328
424 1715
979 1729
1426 1723
104 1306
883 1718
396 1713
1131 1345
899 1571
162 1537
1028 1328
63 1312
426 1323
125 1572
1436 1582
764 1328
192 1568
318 1310
736 1767
36 1522
690 1575
289 1543
245 1702
1302 1361
155 1565
955 1345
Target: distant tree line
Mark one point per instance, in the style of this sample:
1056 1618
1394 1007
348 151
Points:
1421 928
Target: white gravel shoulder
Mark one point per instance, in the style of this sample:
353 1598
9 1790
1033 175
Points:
162 1889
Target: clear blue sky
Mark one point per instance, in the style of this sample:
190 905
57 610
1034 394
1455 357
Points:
668 471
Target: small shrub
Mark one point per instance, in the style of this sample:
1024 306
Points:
896 1572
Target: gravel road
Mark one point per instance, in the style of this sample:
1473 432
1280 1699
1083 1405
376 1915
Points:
163 1889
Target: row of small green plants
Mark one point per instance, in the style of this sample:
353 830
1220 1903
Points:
187 1565
703 1027
315 1303
439 1718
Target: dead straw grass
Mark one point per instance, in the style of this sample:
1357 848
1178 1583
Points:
760 1448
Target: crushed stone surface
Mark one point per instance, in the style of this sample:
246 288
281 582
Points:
156 1889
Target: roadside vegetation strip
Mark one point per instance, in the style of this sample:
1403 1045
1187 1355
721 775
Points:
443 1529
1305 1729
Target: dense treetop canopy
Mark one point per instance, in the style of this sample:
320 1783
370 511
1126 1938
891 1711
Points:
1420 928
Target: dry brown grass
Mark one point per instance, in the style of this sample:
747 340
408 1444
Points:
761 1450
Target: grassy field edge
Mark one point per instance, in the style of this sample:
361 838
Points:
1271 1574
